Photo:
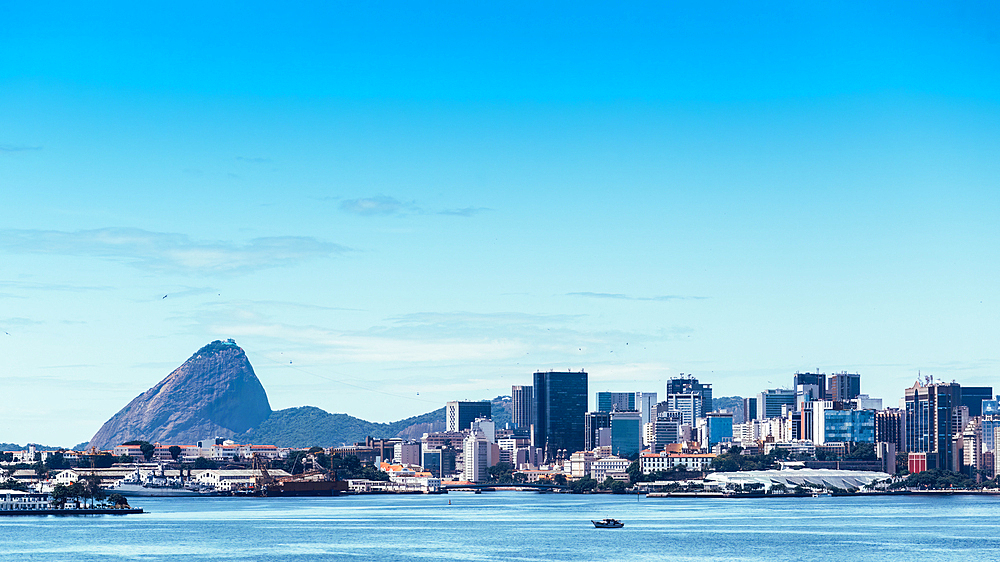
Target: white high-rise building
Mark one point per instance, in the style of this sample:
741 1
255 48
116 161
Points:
476 449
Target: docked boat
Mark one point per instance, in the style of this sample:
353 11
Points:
608 524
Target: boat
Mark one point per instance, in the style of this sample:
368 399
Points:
608 524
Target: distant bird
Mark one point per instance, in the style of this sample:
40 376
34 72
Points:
164 296
8 333
289 362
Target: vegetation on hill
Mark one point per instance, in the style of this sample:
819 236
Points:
307 426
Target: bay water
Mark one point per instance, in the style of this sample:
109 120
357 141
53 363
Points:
517 526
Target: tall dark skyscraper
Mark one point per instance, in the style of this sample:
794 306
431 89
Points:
460 415
523 406
690 385
929 422
809 387
973 396
560 412
842 387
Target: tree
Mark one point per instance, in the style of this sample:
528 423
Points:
92 489
203 463
124 459
560 479
583 485
862 452
501 473
118 501
175 452
618 487
146 447
634 472
56 461
12 484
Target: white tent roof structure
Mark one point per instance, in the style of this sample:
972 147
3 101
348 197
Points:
845 479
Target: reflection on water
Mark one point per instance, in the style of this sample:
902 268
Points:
516 526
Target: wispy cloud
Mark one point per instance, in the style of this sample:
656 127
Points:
465 211
170 252
377 205
10 148
622 296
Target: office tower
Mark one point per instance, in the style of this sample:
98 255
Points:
833 424
459 415
608 401
486 427
809 387
718 429
973 396
594 421
689 405
770 401
626 433
749 409
645 402
842 387
690 385
522 402
931 411
560 410
889 427
667 429
439 461
476 451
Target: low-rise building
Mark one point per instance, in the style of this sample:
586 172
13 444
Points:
612 466
15 500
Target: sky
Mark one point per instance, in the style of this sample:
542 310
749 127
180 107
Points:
390 205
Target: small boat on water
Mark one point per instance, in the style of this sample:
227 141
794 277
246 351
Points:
608 524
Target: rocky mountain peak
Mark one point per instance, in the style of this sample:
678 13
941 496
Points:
215 393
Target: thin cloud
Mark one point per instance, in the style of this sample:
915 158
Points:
464 212
10 148
622 296
170 252
371 206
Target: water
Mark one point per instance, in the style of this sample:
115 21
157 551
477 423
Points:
517 526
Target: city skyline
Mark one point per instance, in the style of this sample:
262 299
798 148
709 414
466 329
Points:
389 211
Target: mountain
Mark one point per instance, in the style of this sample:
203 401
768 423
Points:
308 426
215 393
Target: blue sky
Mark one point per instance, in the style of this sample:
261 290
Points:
416 204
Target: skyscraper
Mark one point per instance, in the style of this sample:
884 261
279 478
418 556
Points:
770 401
560 405
930 421
626 433
690 385
523 406
809 387
842 387
592 423
645 402
689 405
608 401
973 396
460 415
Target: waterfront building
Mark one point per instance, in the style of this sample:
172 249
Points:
560 407
610 401
931 414
16 500
439 461
476 457
626 433
612 466
460 415
843 386
580 463
593 422
770 403
453 439
407 453
688 384
523 404
229 480
648 435
699 462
